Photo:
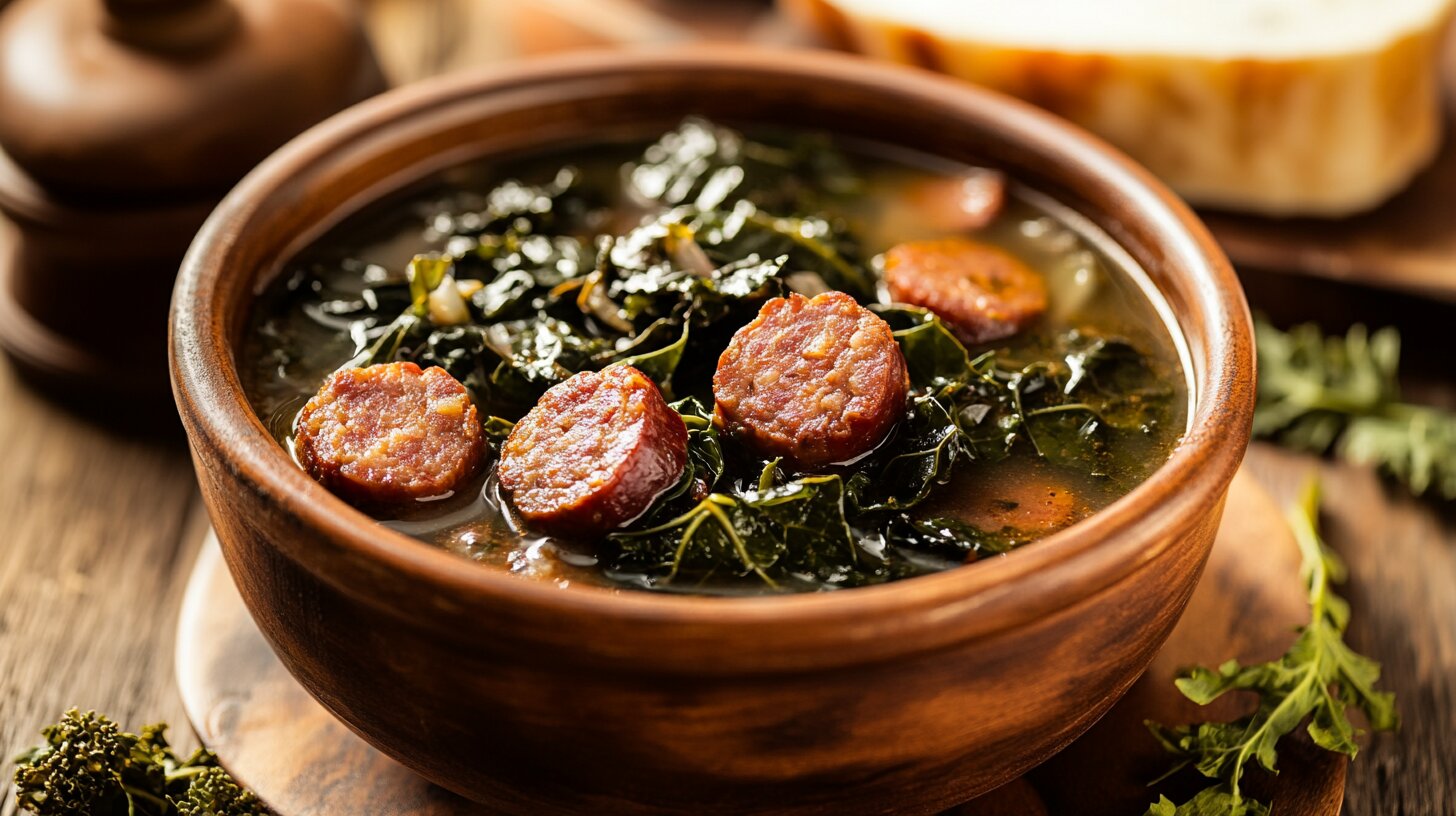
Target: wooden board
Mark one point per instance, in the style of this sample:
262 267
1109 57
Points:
91 525
282 743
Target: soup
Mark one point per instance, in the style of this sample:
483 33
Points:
719 364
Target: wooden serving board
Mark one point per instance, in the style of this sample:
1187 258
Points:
277 740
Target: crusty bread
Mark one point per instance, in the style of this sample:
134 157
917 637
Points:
1287 107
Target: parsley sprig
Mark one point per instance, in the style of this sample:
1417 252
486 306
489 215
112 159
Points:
1341 393
1317 681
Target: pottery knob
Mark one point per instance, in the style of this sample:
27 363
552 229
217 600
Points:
122 122
131 98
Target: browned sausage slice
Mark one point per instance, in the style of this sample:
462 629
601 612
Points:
593 453
1028 506
985 293
817 381
390 433
959 203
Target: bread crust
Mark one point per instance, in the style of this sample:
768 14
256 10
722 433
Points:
1329 134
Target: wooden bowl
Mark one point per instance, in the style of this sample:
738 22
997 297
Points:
908 697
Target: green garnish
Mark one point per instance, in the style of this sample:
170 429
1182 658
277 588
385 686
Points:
88 766
1320 393
1316 681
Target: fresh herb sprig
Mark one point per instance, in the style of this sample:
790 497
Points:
1319 393
88 766
1317 681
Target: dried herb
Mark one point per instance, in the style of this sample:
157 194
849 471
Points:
1316 682
1342 394
88 766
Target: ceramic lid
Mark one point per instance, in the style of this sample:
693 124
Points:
167 98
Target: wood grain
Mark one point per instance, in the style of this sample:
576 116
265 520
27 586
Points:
1402 558
301 760
294 754
95 533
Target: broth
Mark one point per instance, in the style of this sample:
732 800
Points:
337 297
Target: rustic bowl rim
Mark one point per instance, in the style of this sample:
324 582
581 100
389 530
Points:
1049 575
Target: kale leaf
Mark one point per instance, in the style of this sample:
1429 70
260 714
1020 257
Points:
947 538
707 165
918 459
781 530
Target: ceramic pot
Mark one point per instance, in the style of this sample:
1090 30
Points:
907 697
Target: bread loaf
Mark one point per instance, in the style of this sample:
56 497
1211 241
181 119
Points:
1286 107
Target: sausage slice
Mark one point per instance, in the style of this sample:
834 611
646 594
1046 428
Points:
817 381
959 203
390 433
1034 507
983 292
593 453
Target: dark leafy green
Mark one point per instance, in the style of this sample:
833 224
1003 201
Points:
919 459
948 538
707 166
811 244
796 528
515 208
530 286
937 361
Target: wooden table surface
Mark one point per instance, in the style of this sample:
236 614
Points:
98 531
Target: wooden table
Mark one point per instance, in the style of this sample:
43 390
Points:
98 532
